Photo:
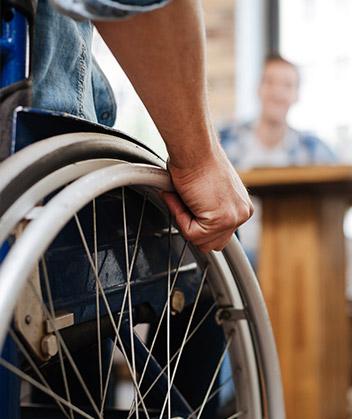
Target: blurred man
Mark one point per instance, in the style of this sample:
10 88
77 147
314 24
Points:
270 141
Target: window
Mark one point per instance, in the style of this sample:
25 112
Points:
317 35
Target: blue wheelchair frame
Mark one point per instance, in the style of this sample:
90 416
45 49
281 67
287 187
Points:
14 64
13 47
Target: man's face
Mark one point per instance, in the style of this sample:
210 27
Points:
278 90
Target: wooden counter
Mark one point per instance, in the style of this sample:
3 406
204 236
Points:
302 271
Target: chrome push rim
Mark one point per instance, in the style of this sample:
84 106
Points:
26 167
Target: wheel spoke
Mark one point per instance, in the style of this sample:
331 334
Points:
108 309
179 264
42 388
216 372
128 286
185 336
66 351
97 301
134 256
52 312
236 415
111 361
168 321
35 368
183 252
212 395
194 331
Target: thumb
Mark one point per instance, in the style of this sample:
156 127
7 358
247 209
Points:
179 211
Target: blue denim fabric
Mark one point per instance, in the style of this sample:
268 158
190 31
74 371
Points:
65 76
106 9
62 63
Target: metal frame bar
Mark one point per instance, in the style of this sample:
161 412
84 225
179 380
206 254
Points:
273 26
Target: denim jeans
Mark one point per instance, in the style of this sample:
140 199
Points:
66 78
106 9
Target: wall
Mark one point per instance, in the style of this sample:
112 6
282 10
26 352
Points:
220 17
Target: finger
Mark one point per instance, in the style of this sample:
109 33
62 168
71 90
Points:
188 225
202 231
178 210
198 231
210 238
217 244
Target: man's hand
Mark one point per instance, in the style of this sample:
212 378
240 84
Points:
214 200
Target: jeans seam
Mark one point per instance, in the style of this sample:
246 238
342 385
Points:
81 79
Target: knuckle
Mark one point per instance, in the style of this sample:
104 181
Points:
245 212
251 208
187 235
232 218
229 220
219 248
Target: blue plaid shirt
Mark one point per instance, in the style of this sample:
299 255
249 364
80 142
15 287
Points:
299 148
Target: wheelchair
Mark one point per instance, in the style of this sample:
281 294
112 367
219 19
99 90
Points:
94 270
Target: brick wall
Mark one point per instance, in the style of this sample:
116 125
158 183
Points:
219 15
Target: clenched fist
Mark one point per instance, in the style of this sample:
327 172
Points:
211 203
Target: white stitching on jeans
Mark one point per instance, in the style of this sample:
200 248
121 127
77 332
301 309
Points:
81 78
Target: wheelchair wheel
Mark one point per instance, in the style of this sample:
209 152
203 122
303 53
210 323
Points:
97 259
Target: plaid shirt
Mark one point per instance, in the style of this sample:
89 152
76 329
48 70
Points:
300 148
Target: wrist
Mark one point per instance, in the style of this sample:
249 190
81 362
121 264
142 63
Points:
196 151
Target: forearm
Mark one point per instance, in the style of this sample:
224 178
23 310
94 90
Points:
163 54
